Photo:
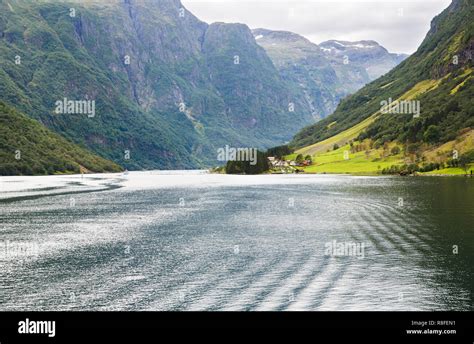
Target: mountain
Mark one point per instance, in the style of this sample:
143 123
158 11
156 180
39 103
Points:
369 55
27 147
425 104
259 103
169 90
322 72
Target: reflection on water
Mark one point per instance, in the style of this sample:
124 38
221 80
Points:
195 241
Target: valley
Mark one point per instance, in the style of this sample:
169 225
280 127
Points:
168 89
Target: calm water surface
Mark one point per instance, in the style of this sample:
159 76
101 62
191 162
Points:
197 241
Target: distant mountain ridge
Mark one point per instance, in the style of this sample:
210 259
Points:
368 54
327 72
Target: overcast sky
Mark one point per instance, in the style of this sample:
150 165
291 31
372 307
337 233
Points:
399 26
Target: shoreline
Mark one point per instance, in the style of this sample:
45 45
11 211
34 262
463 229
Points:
210 171
394 175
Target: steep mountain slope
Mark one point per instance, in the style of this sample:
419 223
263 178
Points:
47 55
169 89
27 147
255 95
327 72
438 76
302 63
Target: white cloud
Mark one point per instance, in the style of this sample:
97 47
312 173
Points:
400 25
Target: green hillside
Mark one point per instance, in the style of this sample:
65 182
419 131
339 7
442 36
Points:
438 76
27 148
451 35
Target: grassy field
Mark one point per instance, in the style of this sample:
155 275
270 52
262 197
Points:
291 156
360 163
337 161
339 139
370 162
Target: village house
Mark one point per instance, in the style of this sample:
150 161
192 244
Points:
277 163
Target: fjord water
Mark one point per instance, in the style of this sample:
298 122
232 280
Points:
198 241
